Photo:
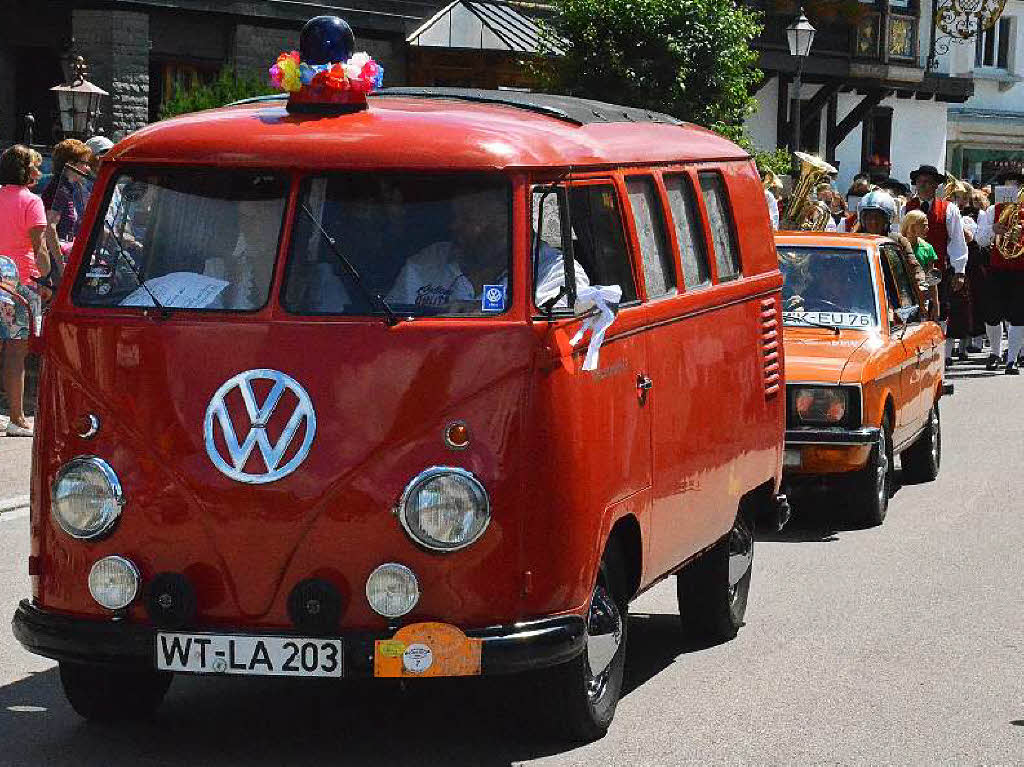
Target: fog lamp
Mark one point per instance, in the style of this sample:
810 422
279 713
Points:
86 500
392 590
114 582
445 509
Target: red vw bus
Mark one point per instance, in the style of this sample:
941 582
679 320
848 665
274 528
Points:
431 387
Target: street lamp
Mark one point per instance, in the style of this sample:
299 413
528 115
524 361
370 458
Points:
78 102
800 35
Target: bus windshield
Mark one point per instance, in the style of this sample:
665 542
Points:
185 239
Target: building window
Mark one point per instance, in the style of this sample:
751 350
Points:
876 143
992 47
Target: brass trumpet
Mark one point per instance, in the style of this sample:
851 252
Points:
801 211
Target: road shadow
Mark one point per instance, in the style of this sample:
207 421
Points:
253 721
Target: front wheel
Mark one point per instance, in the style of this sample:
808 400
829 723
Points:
712 591
872 485
921 460
586 690
101 694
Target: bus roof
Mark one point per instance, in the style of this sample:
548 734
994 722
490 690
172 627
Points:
433 130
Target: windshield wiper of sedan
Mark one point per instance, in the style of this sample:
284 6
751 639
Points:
390 318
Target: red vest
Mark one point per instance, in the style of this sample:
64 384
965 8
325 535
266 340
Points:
996 261
937 234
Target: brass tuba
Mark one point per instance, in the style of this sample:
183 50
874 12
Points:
1011 244
801 211
955 186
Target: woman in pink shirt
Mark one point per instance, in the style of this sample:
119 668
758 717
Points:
23 241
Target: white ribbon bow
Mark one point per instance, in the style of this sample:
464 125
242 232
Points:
599 297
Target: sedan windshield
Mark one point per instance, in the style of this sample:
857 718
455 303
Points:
421 245
827 286
185 239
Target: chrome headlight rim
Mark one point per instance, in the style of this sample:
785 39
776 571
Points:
115 490
422 478
131 567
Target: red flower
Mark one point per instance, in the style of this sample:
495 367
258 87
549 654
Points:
332 79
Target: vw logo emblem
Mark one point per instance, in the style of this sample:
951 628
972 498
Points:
303 417
493 295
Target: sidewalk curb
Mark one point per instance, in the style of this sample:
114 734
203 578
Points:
13 503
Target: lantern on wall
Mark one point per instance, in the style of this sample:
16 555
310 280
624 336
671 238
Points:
78 102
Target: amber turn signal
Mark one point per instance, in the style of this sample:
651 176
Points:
456 435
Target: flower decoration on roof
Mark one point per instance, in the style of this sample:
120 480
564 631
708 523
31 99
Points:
326 75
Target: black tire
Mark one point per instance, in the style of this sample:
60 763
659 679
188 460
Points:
921 461
712 590
580 703
872 485
102 694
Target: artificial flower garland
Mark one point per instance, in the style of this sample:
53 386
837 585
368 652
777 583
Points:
360 74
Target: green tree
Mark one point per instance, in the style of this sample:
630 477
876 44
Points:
688 58
226 88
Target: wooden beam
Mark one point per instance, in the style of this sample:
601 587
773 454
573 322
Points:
812 108
830 124
854 118
783 136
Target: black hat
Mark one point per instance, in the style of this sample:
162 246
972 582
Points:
927 170
1010 175
895 185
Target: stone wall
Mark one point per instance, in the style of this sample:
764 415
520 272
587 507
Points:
115 45
256 49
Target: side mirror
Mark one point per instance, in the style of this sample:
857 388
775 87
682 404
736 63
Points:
908 314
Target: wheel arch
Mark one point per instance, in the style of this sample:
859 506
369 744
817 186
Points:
626 534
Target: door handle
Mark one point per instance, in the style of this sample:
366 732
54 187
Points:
643 385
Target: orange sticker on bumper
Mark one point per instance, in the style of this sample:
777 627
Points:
427 649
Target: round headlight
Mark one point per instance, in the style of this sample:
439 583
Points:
86 499
392 590
114 582
445 509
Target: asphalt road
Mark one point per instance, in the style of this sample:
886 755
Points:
896 645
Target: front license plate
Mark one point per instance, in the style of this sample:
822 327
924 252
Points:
252 655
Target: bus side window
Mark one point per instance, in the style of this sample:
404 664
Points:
600 239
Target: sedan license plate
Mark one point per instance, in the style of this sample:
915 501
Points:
251 655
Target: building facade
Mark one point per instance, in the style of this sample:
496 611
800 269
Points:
136 49
986 133
868 101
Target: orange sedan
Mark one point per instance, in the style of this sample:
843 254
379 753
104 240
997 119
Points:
864 370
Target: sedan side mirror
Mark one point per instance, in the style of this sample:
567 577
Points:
908 314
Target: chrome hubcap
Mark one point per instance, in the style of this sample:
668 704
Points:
883 467
934 429
741 556
604 638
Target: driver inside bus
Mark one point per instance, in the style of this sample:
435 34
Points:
445 274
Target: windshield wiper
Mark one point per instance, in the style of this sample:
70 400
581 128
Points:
127 261
833 328
390 318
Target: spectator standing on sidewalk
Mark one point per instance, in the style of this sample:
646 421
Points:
58 195
946 236
23 241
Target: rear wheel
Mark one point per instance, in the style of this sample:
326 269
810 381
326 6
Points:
712 591
922 459
102 694
872 485
586 690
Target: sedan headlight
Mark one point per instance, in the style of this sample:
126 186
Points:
86 500
819 405
445 509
